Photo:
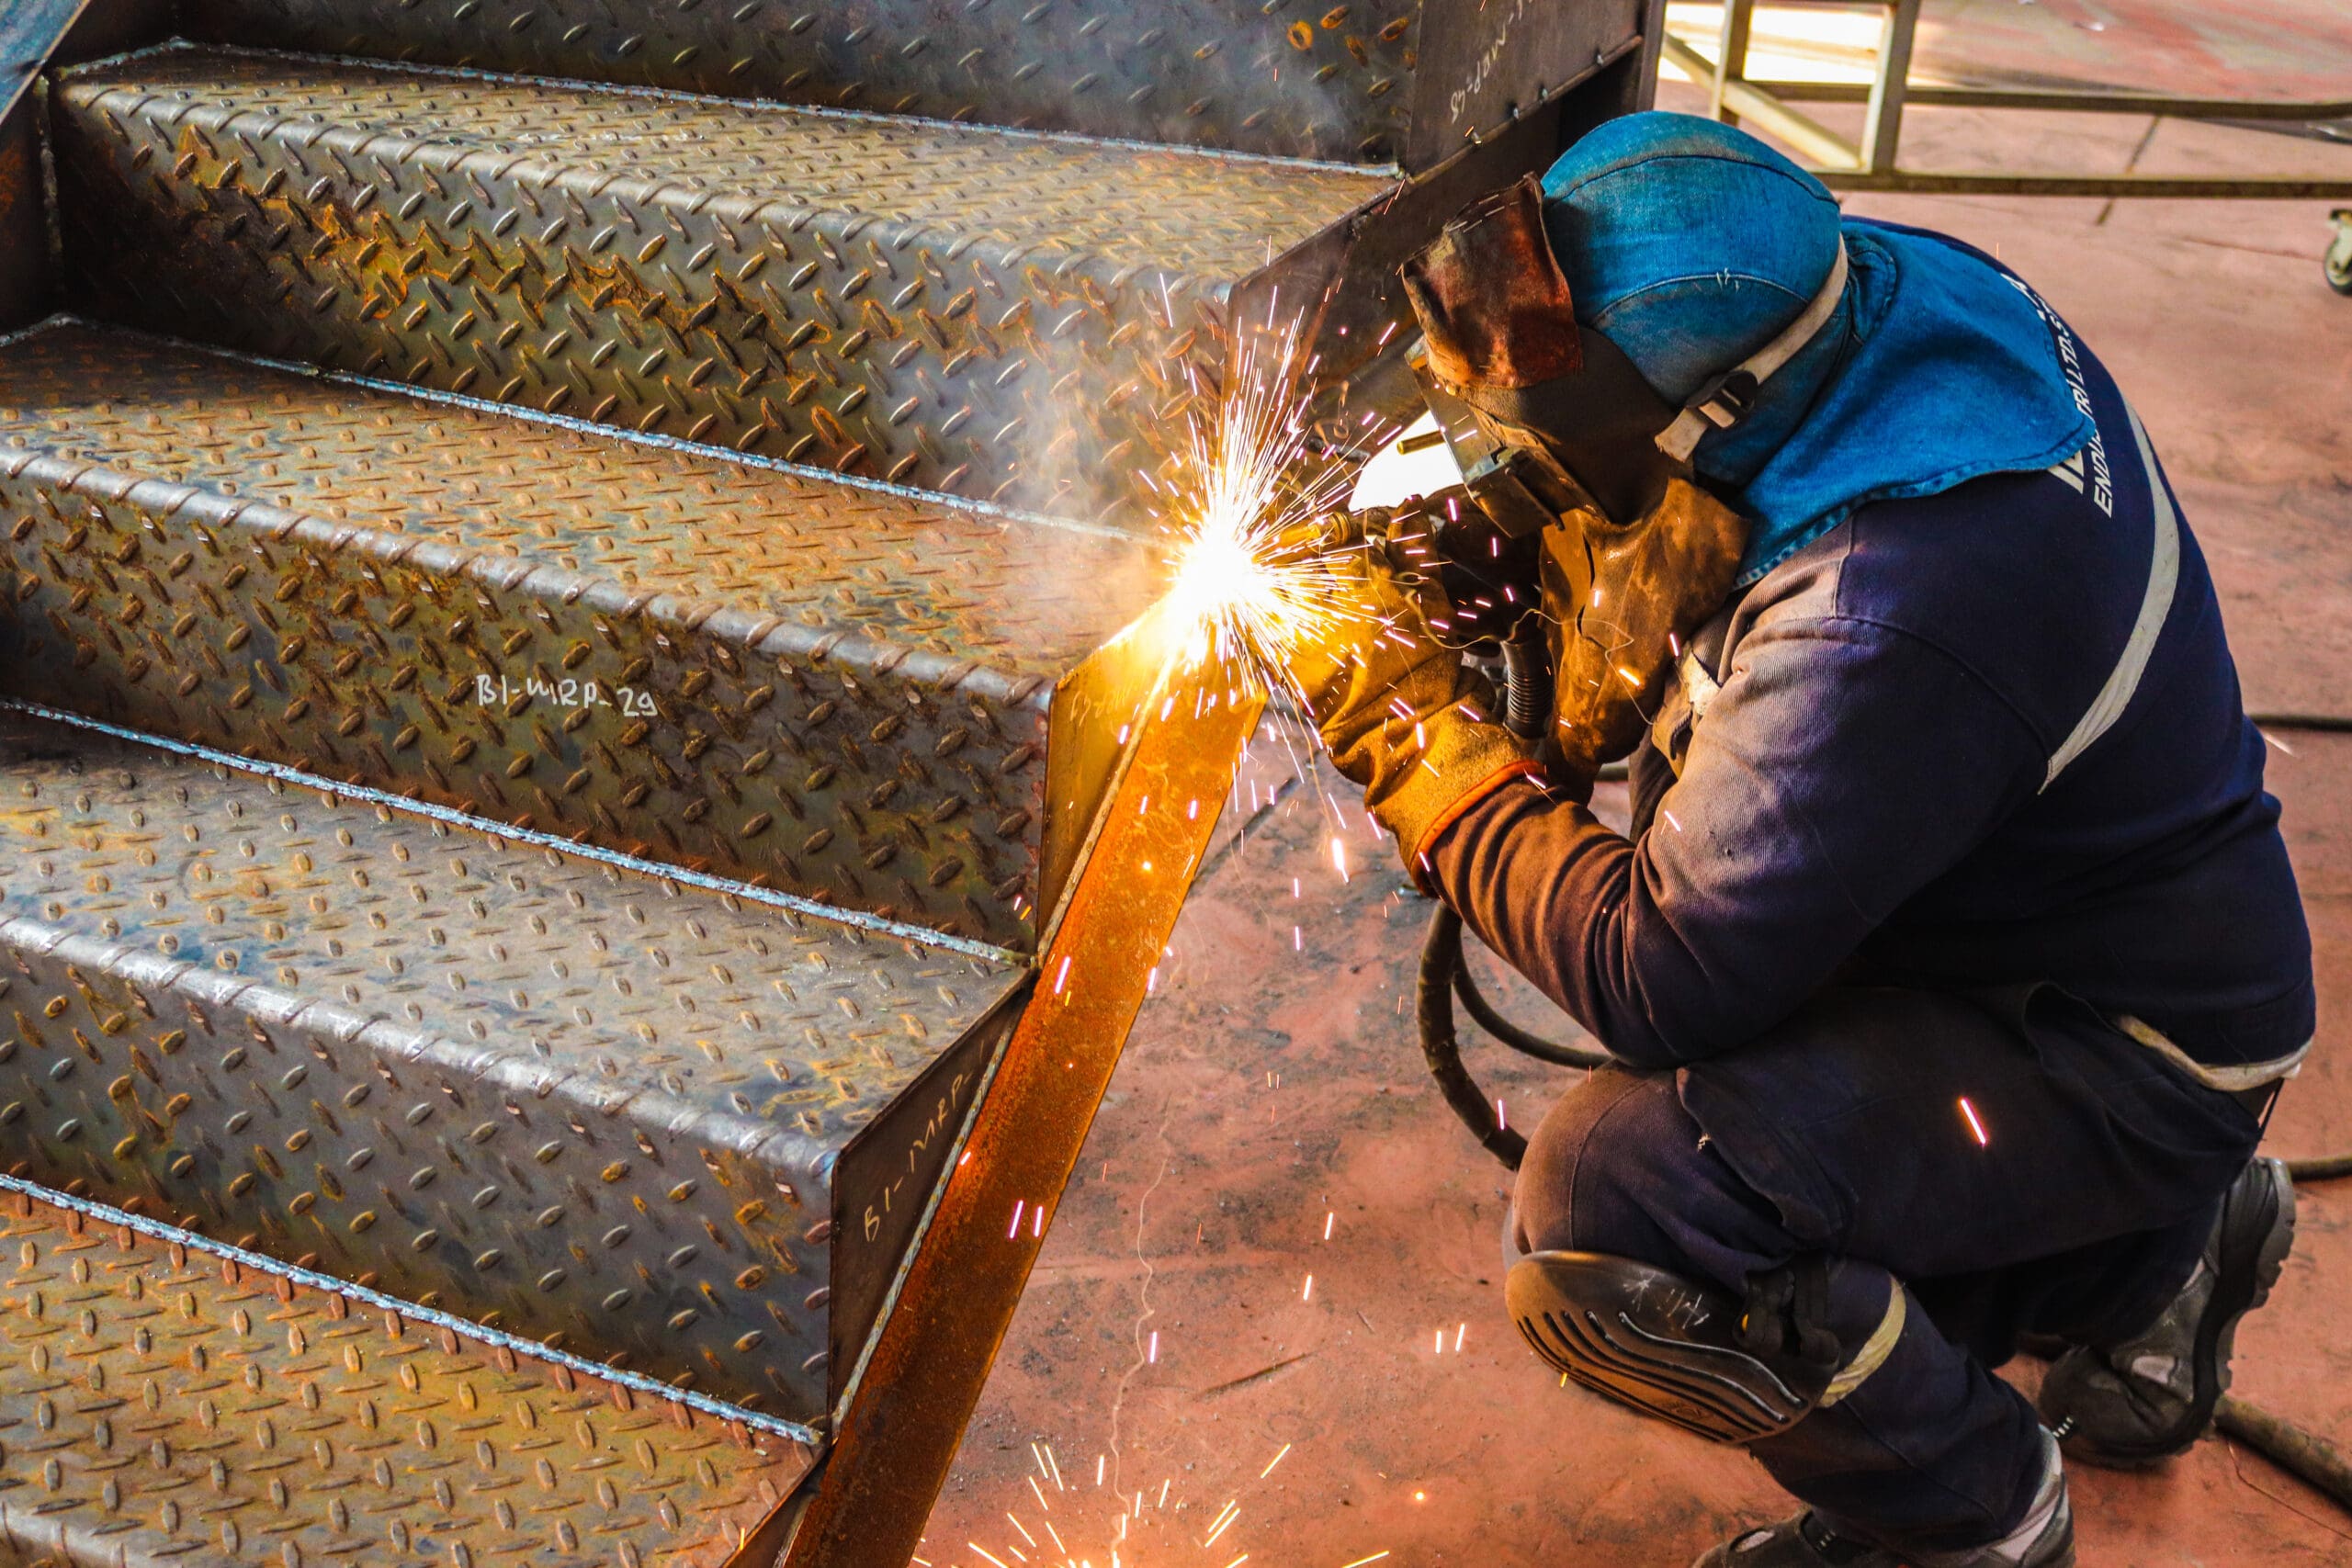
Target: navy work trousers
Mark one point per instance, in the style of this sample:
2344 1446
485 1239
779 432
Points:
1852 1131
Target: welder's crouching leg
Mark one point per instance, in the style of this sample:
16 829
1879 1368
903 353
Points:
1905 1435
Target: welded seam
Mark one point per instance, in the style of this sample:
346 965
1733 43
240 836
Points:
851 1385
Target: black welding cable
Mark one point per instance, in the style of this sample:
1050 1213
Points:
1482 1012
1433 1011
2326 723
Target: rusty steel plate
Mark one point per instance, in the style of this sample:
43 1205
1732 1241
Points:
841 693
685 1132
169 1405
1386 82
1019 320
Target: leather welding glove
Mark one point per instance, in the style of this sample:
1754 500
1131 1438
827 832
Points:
1401 712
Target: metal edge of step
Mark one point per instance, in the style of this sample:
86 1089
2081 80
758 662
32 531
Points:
1073 768
1056 103
752 893
652 441
134 1304
926 1136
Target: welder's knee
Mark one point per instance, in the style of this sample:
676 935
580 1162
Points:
1602 1162
1619 1167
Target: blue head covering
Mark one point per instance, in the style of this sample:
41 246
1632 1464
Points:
1692 245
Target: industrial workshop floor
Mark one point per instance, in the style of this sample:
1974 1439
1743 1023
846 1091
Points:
1273 1285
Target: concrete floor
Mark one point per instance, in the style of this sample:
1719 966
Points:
1272 1121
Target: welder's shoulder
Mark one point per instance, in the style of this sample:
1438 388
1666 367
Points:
2018 578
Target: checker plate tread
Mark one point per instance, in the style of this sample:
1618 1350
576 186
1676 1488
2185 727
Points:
558 1097
1009 317
167 1407
1303 78
849 690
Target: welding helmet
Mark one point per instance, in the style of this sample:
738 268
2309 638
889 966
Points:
1570 446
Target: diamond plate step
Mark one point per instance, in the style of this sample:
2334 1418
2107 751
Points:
169 1407
891 706
1014 319
686 1131
1386 82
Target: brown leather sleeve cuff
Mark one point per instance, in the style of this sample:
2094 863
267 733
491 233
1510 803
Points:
1416 858
1464 760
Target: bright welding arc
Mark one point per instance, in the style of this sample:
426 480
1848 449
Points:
1255 582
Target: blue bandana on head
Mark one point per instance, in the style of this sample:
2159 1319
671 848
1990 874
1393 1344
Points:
1692 245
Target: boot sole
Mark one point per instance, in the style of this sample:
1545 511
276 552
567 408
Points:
2257 1233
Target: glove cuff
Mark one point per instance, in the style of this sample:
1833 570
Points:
1466 761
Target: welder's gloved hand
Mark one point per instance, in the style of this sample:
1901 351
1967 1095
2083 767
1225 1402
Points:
1401 713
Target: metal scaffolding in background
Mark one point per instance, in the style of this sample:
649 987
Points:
1872 162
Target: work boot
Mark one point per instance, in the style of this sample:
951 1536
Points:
2152 1397
2045 1540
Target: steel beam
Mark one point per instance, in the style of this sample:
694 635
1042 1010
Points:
907 1410
2177 187
2080 100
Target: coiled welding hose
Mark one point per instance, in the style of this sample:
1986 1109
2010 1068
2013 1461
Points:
1445 977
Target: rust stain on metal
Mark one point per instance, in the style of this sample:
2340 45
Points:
907 1410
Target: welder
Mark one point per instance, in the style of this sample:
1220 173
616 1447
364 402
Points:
1953 958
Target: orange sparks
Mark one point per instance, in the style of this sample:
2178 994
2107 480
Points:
1975 1124
1252 582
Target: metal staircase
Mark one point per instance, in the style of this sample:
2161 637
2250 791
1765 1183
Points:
586 783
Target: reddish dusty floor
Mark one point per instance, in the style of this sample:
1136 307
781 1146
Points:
1272 1121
